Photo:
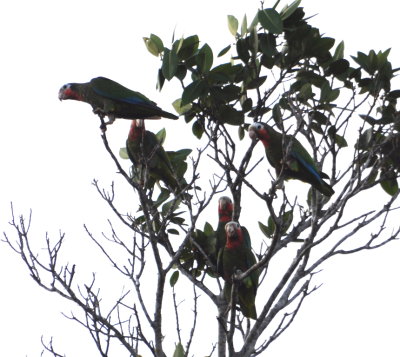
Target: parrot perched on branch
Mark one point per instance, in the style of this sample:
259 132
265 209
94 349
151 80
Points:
298 163
236 255
111 99
225 211
147 154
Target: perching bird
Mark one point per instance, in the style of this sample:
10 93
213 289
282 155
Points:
298 163
236 255
111 99
148 155
225 211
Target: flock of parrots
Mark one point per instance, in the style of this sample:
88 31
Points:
233 246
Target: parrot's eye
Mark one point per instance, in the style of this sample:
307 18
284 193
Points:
234 224
258 126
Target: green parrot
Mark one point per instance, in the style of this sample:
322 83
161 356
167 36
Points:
236 255
111 99
147 154
299 164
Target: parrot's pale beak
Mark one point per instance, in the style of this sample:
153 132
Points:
61 94
230 229
253 134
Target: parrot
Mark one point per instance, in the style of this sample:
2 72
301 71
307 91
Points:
225 211
111 99
236 255
211 244
143 146
299 164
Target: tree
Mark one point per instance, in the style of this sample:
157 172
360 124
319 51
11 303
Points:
284 72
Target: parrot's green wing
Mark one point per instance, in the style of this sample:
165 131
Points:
113 90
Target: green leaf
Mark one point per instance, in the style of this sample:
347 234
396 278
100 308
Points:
179 155
266 230
228 114
243 28
253 41
160 80
181 72
208 229
193 91
224 73
338 67
328 94
174 278
289 9
254 22
287 218
321 46
390 186
123 154
197 129
271 21
154 45
339 52
177 45
177 104
242 50
367 63
170 64
162 197
179 351
247 104
339 140
224 51
368 119
169 206
394 94
161 135
241 132
256 82
233 24
204 59
188 47
306 92
173 231
318 117
364 141
277 115
267 44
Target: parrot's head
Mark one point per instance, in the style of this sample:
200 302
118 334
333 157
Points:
69 91
137 129
225 209
260 131
234 234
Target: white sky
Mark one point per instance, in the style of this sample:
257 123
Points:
51 151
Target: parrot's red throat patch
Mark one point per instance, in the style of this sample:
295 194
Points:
71 94
264 137
234 241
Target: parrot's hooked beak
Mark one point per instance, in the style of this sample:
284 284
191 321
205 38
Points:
230 228
61 94
253 133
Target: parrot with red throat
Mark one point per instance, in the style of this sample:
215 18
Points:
225 211
298 163
234 256
111 99
148 155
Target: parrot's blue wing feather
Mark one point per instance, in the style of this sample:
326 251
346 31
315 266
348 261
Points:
310 168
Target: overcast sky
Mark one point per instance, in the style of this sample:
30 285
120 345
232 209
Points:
51 151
